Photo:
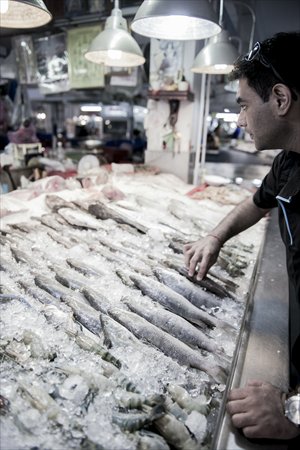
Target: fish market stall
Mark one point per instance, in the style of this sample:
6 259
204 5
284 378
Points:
105 341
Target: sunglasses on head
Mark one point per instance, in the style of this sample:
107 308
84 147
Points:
256 54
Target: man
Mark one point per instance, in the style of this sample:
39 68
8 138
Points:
269 98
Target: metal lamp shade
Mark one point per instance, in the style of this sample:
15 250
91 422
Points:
25 14
217 57
176 19
115 46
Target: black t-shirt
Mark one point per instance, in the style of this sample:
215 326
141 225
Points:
281 188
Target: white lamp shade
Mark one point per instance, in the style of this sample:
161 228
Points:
25 14
115 46
217 57
176 19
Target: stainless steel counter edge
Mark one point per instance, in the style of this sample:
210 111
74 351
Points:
262 348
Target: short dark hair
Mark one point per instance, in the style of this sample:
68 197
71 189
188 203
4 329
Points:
281 51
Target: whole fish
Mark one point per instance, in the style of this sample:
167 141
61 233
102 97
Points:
207 283
97 300
195 294
101 211
40 294
83 313
52 286
53 220
62 239
69 278
27 228
25 258
176 302
55 202
6 265
172 324
115 334
80 219
166 343
85 267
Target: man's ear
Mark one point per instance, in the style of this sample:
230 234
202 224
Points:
283 98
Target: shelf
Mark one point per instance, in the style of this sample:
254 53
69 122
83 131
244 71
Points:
171 95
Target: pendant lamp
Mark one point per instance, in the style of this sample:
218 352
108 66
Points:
115 46
217 57
23 14
176 19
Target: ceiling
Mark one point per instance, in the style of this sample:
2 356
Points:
241 18
270 16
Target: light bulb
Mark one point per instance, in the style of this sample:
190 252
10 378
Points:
114 54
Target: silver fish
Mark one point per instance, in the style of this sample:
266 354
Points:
25 258
101 211
40 294
195 294
97 300
84 313
6 265
85 267
55 202
62 239
176 302
172 324
207 283
116 334
69 278
52 286
53 220
81 219
166 343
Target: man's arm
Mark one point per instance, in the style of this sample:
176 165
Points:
206 251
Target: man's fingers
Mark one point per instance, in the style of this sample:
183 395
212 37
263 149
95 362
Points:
237 394
236 407
241 420
193 264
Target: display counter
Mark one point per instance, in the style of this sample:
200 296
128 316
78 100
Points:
88 255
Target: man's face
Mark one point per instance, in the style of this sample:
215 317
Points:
255 115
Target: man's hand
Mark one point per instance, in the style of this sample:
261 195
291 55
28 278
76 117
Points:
258 410
204 252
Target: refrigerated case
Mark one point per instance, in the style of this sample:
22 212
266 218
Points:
260 349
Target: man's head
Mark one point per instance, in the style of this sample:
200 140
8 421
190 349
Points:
269 62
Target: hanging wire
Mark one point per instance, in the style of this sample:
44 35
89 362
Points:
253 20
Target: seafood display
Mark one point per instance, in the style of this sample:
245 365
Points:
106 343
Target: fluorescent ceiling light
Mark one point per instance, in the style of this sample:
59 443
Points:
227 117
91 108
23 14
176 19
217 57
115 46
